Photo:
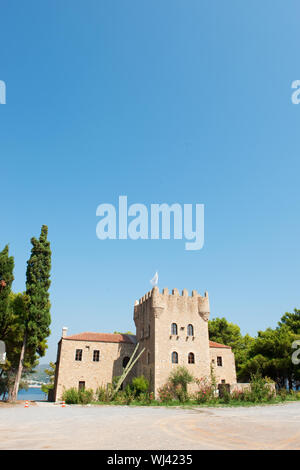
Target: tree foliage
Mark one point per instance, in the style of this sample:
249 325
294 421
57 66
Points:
224 332
17 307
51 375
6 280
180 376
292 321
140 385
36 316
37 288
268 354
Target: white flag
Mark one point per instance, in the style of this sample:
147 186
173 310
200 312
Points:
154 280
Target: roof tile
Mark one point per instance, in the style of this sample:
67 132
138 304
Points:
213 344
119 338
102 337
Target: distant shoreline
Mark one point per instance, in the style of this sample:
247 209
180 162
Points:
32 386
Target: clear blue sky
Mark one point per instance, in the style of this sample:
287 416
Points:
173 101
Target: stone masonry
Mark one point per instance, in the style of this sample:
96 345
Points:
113 351
172 328
160 311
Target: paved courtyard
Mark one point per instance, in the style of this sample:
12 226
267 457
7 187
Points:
49 426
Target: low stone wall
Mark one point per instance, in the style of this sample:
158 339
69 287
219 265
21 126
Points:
242 387
239 387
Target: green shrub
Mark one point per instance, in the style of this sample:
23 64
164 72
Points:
179 379
294 394
140 385
283 394
129 394
85 396
202 396
238 395
103 394
120 398
115 381
206 392
143 398
71 396
165 393
268 380
226 395
259 391
181 394
124 397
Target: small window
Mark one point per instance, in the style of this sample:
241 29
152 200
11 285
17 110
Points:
96 355
191 358
81 386
219 361
78 355
190 330
174 329
174 357
125 361
223 381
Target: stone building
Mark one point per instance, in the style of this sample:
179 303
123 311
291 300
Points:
173 330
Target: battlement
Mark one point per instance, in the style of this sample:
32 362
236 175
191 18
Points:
165 301
165 292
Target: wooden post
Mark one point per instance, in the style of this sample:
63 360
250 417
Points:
127 369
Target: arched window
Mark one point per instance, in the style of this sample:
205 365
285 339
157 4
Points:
174 329
174 357
190 330
125 361
191 358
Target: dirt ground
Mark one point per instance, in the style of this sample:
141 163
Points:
4 404
50 426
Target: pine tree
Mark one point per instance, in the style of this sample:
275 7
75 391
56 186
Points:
6 280
37 318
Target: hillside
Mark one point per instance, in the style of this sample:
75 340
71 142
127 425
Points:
39 375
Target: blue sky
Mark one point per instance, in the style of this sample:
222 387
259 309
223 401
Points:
172 101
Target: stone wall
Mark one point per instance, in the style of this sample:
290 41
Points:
242 387
70 372
160 310
227 370
154 314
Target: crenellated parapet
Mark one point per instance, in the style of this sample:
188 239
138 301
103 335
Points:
160 301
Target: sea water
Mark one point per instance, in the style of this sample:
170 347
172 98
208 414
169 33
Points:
32 394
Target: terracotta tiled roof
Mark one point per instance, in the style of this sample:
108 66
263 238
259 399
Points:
213 344
102 337
118 338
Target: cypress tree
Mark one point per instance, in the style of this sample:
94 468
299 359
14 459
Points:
6 280
37 318
37 288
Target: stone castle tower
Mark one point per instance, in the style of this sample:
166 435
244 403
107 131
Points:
173 329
